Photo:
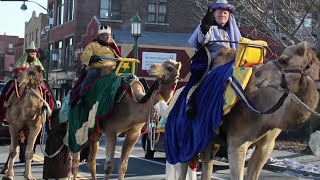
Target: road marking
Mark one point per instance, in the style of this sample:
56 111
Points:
137 157
41 160
198 173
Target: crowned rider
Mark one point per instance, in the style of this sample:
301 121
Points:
102 47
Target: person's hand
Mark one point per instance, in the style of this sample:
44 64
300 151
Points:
94 59
206 21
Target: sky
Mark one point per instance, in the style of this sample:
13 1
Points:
13 19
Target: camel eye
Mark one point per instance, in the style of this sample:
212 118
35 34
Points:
170 68
283 60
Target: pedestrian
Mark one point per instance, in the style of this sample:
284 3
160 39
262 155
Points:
59 166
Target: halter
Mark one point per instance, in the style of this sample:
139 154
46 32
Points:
284 83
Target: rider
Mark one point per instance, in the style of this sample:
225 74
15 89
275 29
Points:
91 57
25 61
218 24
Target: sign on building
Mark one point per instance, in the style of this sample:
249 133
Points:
149 58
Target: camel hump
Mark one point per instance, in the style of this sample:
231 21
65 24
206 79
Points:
138 91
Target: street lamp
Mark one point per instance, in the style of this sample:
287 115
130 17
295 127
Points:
50 22
136 33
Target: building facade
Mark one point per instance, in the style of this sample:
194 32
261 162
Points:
165 32
7 55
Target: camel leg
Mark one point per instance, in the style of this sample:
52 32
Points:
132 136
92 155
207 160
5 166
75 164
14 134
236 156
261 154
33 133
111 140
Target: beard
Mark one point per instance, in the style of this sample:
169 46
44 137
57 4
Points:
30 59
103 42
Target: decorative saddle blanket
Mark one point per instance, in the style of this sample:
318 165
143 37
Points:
241 74
98 104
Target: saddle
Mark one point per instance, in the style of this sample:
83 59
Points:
137 90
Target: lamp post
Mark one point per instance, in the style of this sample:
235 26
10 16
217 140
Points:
136 33
50 22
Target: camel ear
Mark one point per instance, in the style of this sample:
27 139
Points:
302 48
178 66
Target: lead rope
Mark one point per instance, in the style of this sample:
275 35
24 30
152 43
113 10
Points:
302 104
153 122
44 115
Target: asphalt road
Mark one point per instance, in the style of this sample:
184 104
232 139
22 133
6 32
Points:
139 167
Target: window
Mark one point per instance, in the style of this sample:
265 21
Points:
57 55
10 48
51 13
37 34
70 10
60 11
157 12
69 53
26 43
110 9
162 13
152 12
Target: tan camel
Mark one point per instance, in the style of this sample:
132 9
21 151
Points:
129 117
246 128
25 113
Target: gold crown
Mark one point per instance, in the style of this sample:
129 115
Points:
106 30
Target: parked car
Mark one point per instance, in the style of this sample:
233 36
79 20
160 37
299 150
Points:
4 126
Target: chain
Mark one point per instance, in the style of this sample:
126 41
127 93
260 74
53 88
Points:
302 104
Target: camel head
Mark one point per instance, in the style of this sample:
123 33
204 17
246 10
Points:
167 72
32 76
297 63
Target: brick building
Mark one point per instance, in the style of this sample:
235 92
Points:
7 54
35 30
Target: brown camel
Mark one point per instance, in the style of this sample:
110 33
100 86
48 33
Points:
300 66
129 117
25 112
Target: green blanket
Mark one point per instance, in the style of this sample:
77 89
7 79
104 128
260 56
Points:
98 103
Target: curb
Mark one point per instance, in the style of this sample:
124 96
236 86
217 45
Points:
306 174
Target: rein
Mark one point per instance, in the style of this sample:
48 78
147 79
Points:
283 85
154 116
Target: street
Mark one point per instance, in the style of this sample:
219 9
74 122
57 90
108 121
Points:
139 167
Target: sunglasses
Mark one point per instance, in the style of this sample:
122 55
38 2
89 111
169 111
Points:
32 50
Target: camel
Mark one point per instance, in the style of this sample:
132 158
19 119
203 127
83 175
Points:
25 112
129 117
244 128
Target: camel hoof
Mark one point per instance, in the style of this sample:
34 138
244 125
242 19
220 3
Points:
4 170
7 178
29 178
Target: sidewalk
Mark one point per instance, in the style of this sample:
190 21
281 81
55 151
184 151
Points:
307 165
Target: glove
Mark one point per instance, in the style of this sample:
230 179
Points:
94 59
206 21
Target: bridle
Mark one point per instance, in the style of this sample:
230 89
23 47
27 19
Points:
284 85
